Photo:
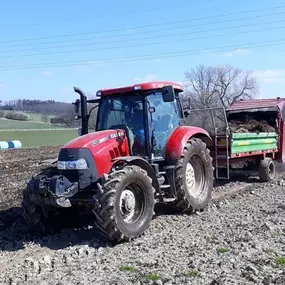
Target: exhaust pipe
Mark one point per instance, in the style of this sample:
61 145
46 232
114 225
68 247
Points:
84 115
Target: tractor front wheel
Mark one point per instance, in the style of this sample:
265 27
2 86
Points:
194 177
36 216
42 218
125 208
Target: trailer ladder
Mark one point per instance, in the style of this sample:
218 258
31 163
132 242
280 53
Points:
222 159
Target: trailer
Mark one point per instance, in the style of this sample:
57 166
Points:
258 150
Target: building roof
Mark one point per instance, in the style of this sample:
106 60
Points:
276 103
141 86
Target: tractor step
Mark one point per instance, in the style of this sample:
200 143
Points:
164 186
168 200
222 156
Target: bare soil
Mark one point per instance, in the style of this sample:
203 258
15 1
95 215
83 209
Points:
238 239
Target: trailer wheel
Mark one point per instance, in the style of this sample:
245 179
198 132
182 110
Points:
194 177
267 171
125 208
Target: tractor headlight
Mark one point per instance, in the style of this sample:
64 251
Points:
72 164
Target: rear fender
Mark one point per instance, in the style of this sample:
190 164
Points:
179 138
136 160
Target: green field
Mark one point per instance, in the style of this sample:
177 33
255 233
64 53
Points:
39 137
19 125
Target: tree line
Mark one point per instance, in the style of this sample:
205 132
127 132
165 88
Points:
49 107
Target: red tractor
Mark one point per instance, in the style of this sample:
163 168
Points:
140 153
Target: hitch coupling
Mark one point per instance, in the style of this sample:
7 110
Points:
55 190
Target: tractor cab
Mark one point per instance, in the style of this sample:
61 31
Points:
148 112
141 153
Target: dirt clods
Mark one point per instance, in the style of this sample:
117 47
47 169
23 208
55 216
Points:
238 239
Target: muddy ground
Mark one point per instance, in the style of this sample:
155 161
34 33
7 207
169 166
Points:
238 239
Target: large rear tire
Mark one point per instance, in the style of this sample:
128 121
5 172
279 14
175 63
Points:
126 207
194 177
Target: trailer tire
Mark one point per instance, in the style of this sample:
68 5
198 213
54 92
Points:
202 177
267 171
125 207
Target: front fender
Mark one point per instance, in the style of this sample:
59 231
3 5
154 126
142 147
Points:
139 161
179 138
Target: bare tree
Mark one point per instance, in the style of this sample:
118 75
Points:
208 87
215 87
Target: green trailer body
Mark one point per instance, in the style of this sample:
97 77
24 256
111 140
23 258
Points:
252 142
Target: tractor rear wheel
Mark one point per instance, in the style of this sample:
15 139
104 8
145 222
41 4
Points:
267 171
125 208
194 177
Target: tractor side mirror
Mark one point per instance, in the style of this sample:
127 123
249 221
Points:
168 94
151 110
186 113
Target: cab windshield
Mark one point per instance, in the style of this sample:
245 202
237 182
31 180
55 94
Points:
124 112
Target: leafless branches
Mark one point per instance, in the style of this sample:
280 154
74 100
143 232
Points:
208 87
215 87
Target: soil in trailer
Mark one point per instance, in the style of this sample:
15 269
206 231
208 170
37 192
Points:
252 122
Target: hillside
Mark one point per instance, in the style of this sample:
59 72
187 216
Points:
6 124
36 131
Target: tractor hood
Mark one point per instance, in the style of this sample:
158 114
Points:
98 149
95 139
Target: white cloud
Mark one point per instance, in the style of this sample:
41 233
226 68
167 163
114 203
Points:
47 72
147 78
238 51
129 31
79 67
270 75
157 60
2 85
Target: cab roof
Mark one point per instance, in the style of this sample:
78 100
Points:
140 86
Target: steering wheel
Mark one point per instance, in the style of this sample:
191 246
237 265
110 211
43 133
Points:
129 132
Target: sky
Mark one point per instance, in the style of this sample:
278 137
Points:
48 47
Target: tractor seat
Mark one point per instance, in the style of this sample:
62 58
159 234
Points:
130 135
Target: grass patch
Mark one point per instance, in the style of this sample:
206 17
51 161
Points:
222 250
138 275
6 124
153 277
40 137
128 268
280 260
192 273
